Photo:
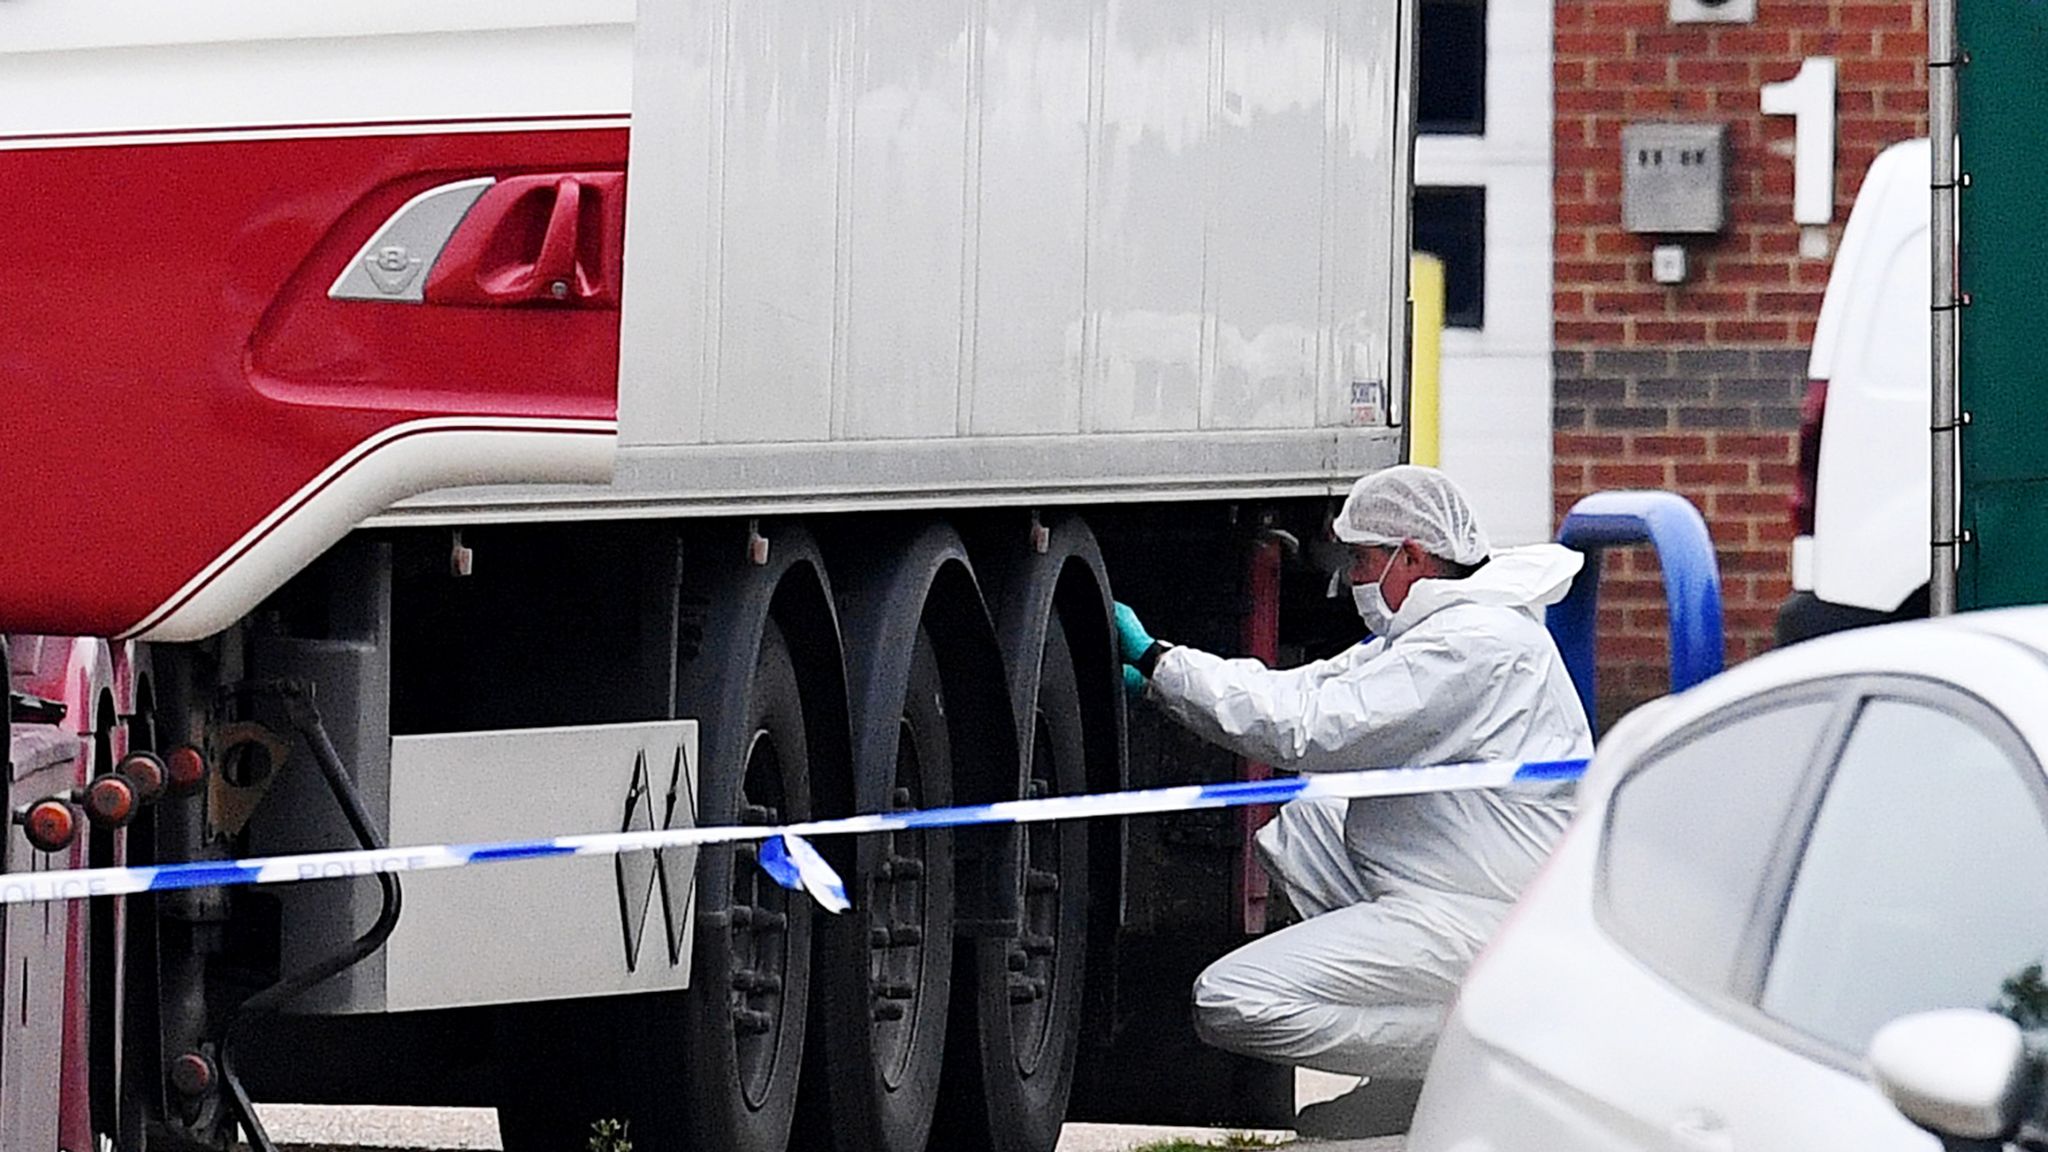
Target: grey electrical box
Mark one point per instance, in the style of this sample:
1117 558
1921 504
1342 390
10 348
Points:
1674 177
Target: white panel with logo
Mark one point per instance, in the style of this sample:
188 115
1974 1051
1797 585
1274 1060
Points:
551 928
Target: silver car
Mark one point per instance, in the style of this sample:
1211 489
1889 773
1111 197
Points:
1766 873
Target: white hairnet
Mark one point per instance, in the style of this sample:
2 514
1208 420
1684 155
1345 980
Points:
1410 502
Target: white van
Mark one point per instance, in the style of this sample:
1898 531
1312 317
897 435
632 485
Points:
1861 556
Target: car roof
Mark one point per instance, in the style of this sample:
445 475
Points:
2028 626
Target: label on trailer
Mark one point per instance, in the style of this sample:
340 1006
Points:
584 927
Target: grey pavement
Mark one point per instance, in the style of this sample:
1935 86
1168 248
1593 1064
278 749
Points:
381 1129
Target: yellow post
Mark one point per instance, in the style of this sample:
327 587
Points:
1426 331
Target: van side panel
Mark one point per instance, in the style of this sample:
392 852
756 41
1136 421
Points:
1871 506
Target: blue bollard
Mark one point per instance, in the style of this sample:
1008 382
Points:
1692 581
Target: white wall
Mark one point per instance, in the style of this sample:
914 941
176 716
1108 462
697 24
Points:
1497 380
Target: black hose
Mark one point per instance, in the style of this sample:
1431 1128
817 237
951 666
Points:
305 717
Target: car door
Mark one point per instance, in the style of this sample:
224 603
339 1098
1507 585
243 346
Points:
1910 873
1922 881
1758 888
1700 845
1617 1010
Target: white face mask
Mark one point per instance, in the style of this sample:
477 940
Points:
1372 603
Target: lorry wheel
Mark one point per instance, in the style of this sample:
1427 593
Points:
1044 998
1027 988
885 969
750 979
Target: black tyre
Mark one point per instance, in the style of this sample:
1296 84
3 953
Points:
885 970
1027 988
750 980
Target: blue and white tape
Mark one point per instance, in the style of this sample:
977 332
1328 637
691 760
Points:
786 856
791 862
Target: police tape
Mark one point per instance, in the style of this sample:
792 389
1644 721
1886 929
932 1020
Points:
785 854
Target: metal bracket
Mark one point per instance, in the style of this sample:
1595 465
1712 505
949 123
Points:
229 802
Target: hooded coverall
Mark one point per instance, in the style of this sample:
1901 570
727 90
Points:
1401 892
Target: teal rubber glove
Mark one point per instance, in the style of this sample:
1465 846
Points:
1131 638
1134 683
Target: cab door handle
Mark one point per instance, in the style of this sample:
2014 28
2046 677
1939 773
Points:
553 239
555 271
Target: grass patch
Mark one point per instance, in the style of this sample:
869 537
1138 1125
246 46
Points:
1232 1141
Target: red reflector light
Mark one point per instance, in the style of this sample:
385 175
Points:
187 768
192 1074
110 801
48 824
147 772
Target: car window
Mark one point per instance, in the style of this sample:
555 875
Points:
1924 883
1691 836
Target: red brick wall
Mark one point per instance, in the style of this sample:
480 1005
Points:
1696 387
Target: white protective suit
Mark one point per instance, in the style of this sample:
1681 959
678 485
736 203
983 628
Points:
1403 900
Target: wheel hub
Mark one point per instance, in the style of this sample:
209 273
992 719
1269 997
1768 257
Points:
759 933
897 922
1034 952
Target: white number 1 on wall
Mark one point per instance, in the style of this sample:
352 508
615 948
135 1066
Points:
1810 99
